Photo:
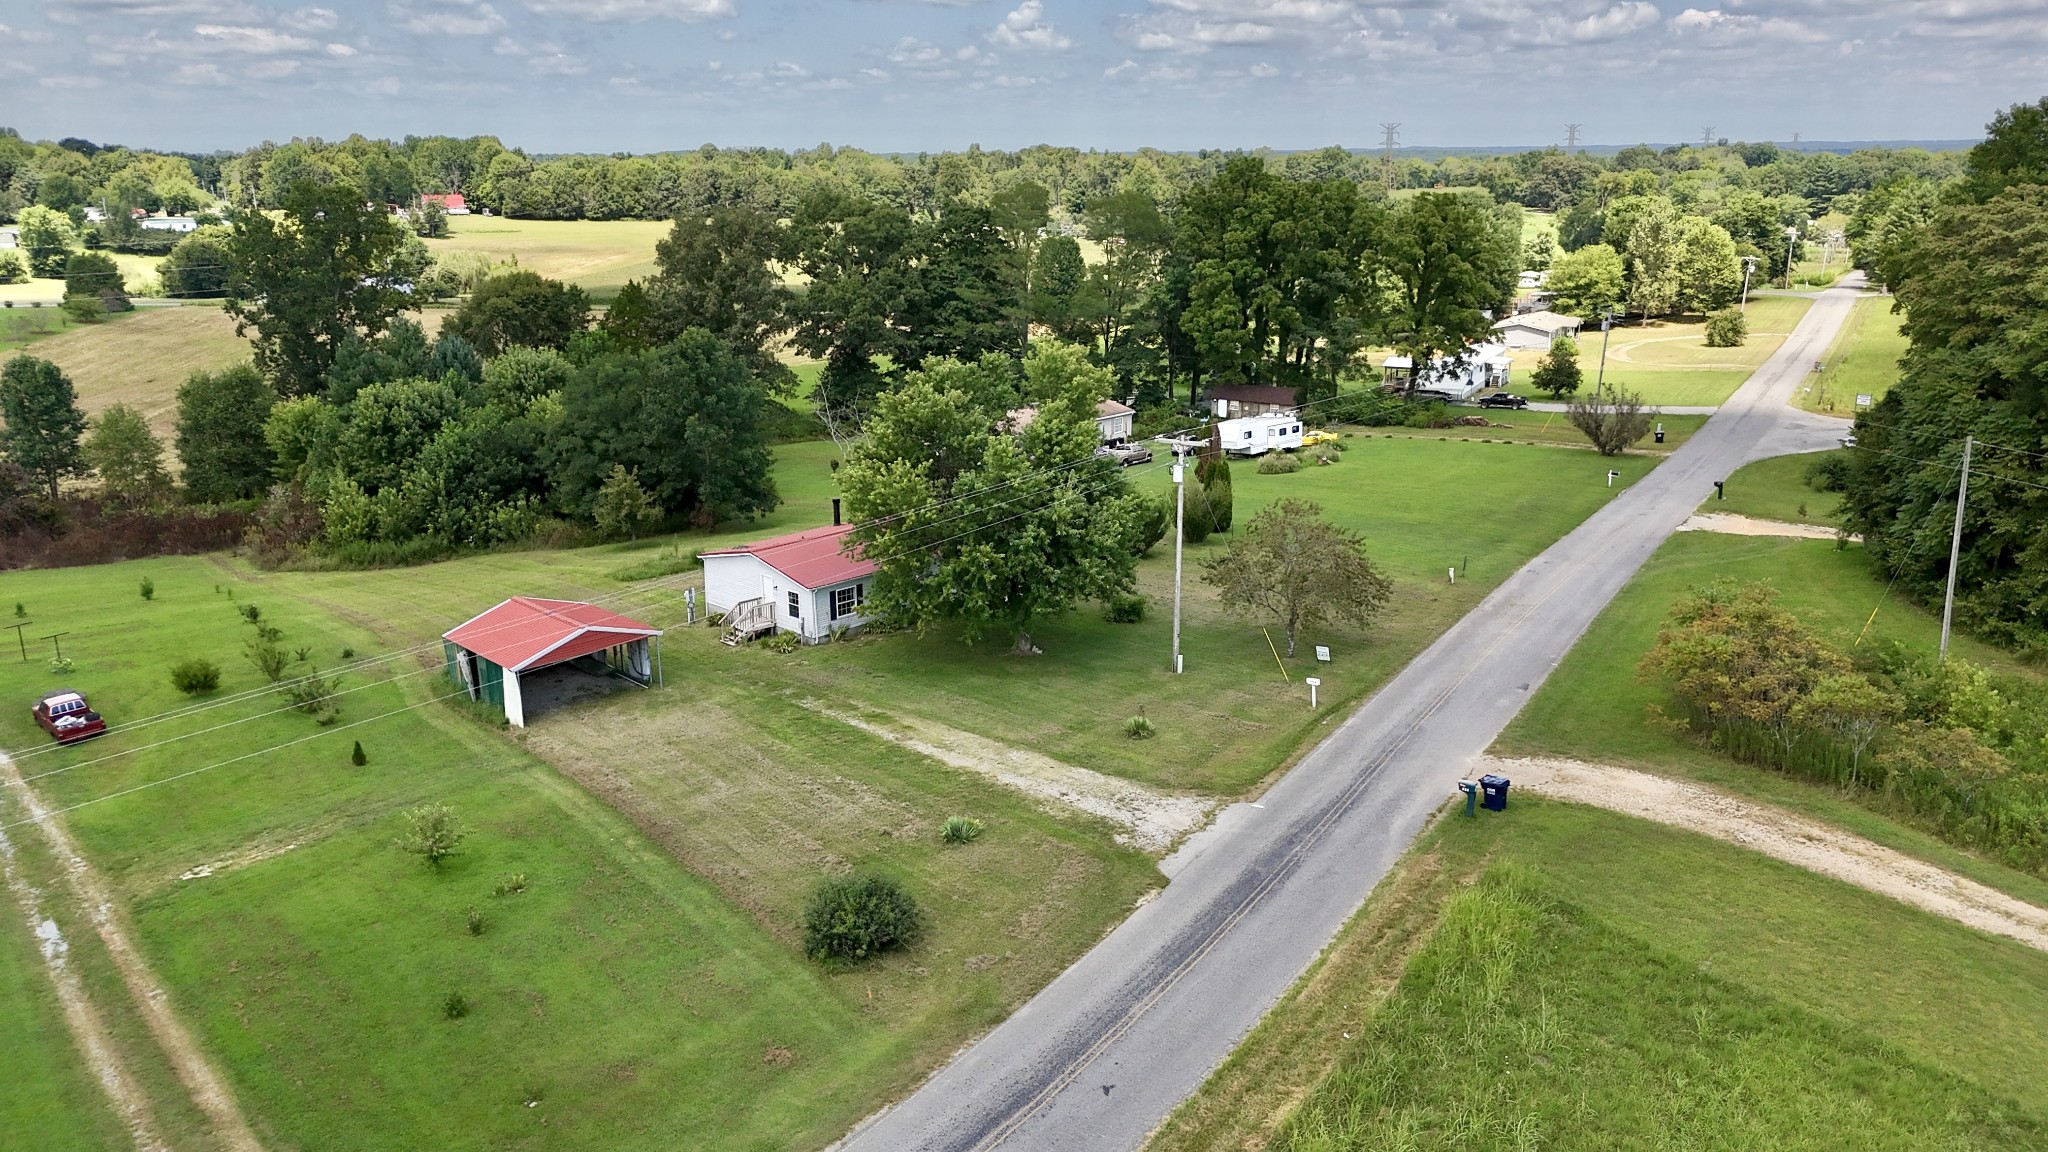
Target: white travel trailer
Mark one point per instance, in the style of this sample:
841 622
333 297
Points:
1258 435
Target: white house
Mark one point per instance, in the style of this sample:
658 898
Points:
1537 329
1112 420
10 238
1460 377
169 223
808 583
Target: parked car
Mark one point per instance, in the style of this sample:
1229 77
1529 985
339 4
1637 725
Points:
1430 396
1317 436
1126 454
1503 400
66 716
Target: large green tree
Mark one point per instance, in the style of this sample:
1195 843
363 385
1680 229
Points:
220 438
1298 569
1588 282
687 417
40 421
520 309
49 238
126 455
1452 263
328 268
1709 272
722 273
197 267
856 255
982 528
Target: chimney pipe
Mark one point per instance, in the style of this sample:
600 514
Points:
835 511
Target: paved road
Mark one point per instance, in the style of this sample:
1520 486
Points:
1107 1050
1668 409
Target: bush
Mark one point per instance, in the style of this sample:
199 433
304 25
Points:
1195 521
851 919
454 1006
84 309
960 830
1139 728
1124 609
475 920
432 832
357 757
13 270
148 588
1727 329
1278 464
196 676
511 884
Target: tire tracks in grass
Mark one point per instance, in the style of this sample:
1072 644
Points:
91 896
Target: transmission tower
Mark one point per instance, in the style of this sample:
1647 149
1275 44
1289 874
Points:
1706 137
1795 141
1571 137
1391 136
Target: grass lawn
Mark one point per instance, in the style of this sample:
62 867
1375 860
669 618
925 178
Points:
1668 361
642 1004
1777 489
1863 360
598 255
1594 708
1566 978
136 271
140 358
1543 428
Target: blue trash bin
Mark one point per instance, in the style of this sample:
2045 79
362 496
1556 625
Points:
1494 790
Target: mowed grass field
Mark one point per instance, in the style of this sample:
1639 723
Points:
140 358
1564 978
1863 361
647 989
1549 428
1780 488
136 271
1669 362
597 255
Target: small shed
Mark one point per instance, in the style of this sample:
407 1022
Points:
1536 329
810 583
1230 401
489 654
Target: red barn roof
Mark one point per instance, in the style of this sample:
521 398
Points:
813 559
445 200
527 632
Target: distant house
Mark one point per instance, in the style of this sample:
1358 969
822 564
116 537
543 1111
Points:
1529 280
810 583
10 237
1231 401
495 657
169 223
1112 420
1536 329
1458 377
452 203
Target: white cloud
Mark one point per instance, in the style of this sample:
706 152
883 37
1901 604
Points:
1263 70
1026 27
875 74
914 53
1115 70
1617 21
259 41
199 74
340 50
635 11
785 70
447 18
311 20
272 69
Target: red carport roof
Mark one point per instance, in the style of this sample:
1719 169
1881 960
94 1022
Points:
528 632
814 559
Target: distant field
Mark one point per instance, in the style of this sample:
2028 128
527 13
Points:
1669 361
597 255
136 271
1864 360
140 358
1563 978
1544 428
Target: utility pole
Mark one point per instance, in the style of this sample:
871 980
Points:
1606 324
1955 547
1571 137
1181 447
1791 246
1748 267
1390 136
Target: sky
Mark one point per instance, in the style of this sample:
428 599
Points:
927 75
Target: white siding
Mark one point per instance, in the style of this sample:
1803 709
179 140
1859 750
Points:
731 579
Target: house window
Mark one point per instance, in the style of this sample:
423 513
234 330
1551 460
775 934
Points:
847 601
795 606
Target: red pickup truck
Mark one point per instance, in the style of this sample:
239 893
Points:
66 716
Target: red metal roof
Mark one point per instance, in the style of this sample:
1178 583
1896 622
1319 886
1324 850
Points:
813 559
527 632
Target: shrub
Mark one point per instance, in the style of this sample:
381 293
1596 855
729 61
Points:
851 919
511 884
1122 609
1195 520
356 757
454 1006
783 642
196 676
148 588
475 920
84 309
1278 464
1727 329
960 830
60 664
1139 728
432 832
1615 425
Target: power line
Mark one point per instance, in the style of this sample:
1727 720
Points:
1571 137
1390 136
